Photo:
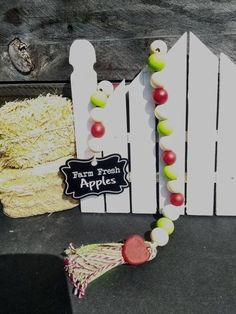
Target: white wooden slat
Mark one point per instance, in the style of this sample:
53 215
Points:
202 107
116 139
226 157
83 84
142 145
173 78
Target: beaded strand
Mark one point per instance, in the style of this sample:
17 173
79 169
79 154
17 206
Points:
99 100
164 225
87 263
156 62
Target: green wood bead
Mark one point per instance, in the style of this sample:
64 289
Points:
99 99
166 224
163 128
156 62
168 173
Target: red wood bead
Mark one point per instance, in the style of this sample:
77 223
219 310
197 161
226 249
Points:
160 95
169 157
135 251
97 129
177 199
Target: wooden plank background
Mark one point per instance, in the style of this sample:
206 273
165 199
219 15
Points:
120 30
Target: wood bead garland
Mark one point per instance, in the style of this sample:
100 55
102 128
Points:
164 225
89 262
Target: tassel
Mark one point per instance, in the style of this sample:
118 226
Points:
87 263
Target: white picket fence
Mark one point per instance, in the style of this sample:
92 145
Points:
201 109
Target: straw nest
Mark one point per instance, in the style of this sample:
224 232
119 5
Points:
36 138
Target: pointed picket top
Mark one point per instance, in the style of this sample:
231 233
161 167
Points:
226 60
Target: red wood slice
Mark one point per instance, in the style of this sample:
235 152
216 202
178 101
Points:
135 251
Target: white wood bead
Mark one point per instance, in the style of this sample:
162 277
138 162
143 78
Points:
159 236
171 212
106 87
174 186
96 144
164 143
159 46
155 80
98 114
160 112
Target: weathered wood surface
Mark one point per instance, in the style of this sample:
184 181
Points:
120 30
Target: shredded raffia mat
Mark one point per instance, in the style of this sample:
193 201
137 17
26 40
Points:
35 139
32 132
87 263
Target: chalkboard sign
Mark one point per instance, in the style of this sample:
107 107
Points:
84 177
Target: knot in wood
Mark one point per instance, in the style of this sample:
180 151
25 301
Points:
20 56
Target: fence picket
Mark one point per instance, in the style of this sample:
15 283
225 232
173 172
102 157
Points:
174 79
116 138
142 145
226 170
83 84
202 106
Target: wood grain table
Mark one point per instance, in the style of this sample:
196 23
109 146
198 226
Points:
120 30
